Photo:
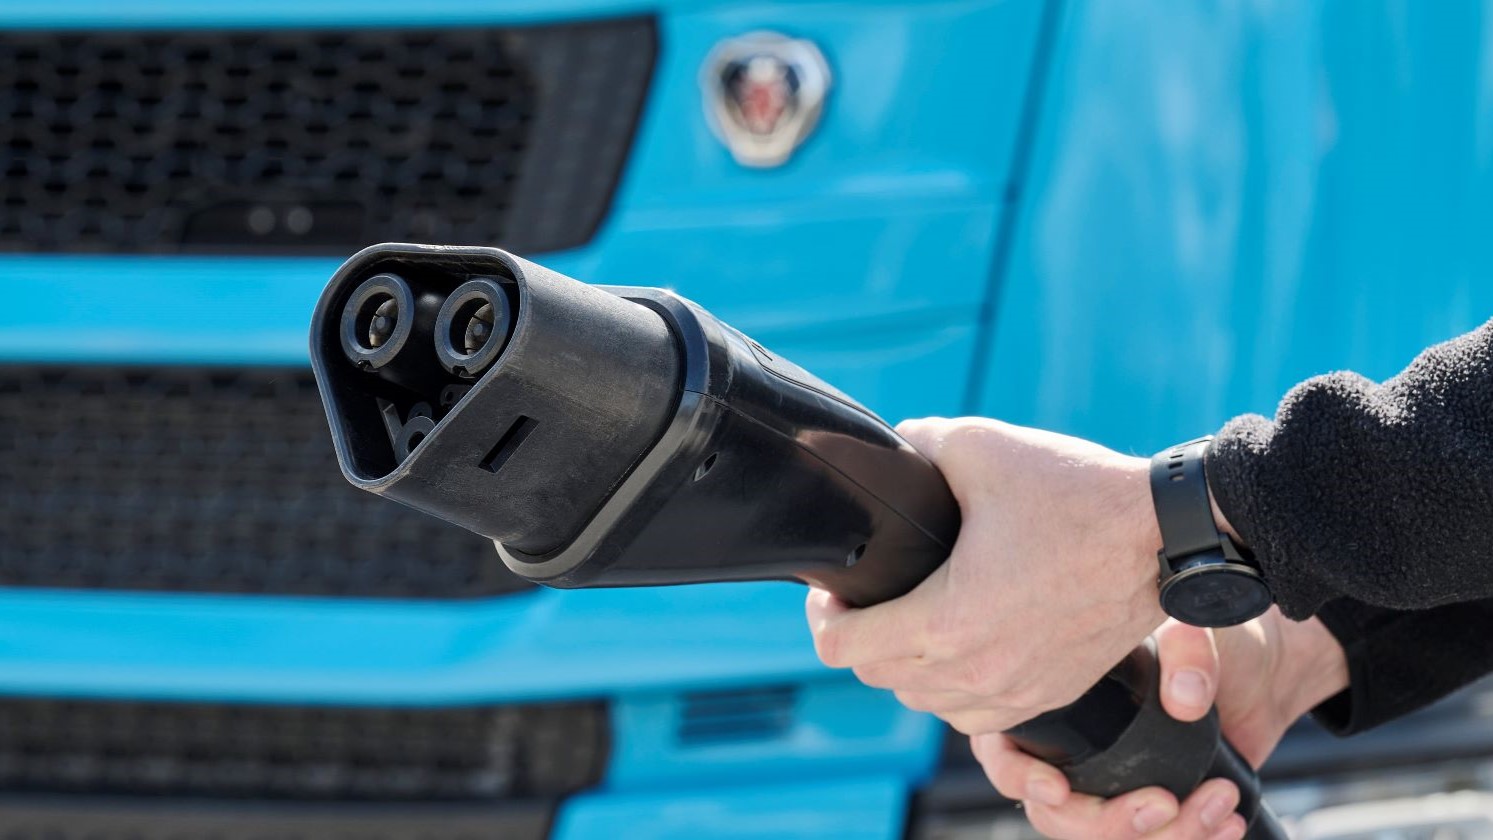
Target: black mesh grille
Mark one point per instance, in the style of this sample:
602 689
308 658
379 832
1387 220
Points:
316 141
92 818
205 480
306 753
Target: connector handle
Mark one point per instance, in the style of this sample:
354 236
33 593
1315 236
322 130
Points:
1117 737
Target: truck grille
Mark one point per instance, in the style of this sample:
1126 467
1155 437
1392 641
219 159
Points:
211 480
110 818
315 141
303 753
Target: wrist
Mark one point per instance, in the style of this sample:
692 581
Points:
1220 521
1142 541
1312 666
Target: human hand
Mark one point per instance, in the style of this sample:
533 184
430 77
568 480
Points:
1264 674
1052 580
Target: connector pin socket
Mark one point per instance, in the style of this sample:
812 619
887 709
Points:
473 327
377 321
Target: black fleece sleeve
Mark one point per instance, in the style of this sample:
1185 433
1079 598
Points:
1399 661
1382 494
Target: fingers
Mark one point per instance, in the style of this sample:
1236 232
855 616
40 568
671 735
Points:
923 434
1234 829
961 449
940 703
820 607
1081 817
1151 813
1209 812
1189 670
1017 775
896 629
983 721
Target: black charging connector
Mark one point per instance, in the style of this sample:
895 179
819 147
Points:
616 436
624 436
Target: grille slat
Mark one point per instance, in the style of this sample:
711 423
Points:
229 751
90 818
315 141
179 478
742 715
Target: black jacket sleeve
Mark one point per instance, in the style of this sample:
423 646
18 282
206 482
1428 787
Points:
1378 493
1399 661
1372 506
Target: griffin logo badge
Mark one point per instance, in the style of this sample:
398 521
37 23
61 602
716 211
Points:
764 93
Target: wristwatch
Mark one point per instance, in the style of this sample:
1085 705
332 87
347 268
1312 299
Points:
1206 579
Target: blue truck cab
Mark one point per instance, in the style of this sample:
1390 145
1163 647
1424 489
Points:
1125 221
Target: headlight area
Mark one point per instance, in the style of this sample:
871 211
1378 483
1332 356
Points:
1428 776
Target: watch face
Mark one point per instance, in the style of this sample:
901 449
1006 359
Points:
1215 593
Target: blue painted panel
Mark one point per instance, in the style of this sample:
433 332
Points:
536 645
839 729
900 367
866 808
908 256
1226 199
158 309
915 141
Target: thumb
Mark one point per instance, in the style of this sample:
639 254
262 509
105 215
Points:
1189 669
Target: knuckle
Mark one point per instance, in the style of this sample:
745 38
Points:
974 722
986 674
945 441
916 426
962 723
1007 785
1008 777
1031 699
970 437
1046 822
828 646
990 751
953 445
961 434
913 700
954 631
971 675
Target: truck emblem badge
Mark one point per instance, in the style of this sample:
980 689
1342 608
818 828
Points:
764 93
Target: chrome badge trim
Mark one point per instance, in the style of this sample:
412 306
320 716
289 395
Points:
764 93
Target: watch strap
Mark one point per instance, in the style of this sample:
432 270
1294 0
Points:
1179 488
